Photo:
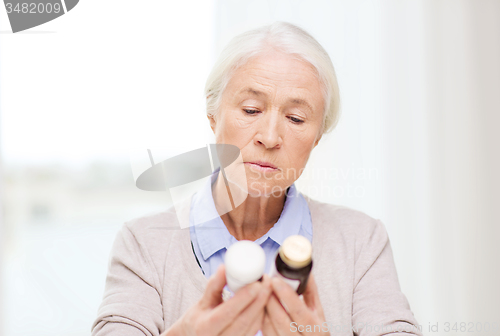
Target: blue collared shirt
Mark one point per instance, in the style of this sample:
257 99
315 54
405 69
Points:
211 239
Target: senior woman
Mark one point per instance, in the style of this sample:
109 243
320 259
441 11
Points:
273 94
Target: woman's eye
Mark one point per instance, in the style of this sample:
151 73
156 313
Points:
296 120
250 111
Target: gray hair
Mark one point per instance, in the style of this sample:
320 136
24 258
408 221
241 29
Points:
289 39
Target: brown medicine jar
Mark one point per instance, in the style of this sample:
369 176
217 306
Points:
294 262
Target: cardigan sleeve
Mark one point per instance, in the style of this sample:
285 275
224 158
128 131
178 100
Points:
131 302
379 306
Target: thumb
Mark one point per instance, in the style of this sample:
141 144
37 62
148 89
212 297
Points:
213 292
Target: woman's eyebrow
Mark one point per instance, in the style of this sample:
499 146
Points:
257 93
252 92
298 101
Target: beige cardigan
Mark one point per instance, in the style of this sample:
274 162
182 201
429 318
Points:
153 276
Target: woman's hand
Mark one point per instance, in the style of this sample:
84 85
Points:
241 315
295 316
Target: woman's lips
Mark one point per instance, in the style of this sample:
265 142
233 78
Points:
264 167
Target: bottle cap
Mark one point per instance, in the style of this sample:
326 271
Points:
296 251
245 263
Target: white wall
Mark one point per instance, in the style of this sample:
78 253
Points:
105 78
442 64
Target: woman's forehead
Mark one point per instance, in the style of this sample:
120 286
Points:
265 75
277 65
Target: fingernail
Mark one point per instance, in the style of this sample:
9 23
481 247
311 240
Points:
277 283
285 307
253 289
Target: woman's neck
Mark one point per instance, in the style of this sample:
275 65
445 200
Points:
251 219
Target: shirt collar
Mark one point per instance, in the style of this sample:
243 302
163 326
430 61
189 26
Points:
212 234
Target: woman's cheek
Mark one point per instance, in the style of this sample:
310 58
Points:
242 122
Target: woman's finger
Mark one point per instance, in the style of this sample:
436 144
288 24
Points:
212 296
278 317
294 306
225 314
258 324
250 320
267 326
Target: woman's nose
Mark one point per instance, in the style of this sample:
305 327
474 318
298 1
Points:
269 131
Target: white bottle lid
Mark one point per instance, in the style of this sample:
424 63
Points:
245 263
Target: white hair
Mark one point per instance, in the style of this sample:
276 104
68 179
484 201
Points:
286 38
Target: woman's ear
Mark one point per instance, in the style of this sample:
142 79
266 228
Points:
317 141
211 118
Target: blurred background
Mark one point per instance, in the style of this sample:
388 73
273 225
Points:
416 146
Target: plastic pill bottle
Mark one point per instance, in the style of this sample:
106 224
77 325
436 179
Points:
293 262
245 263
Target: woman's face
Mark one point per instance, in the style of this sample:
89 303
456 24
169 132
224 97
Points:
272 109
